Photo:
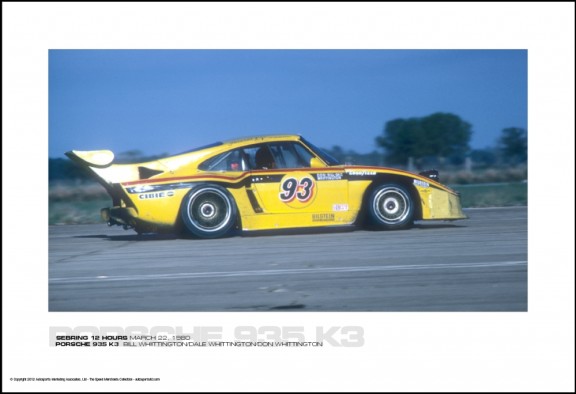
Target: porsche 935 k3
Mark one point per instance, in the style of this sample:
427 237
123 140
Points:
263 183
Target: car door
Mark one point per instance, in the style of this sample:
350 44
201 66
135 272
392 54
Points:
287 185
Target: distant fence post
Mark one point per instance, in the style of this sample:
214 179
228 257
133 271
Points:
411 167
468 164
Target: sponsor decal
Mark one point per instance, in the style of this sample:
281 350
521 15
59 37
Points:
297 190
302 189
334 176
323 217
155 195
420 183
142 189
340 207
360 172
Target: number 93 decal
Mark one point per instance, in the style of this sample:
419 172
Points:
297 190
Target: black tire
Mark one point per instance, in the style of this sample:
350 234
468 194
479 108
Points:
391 207
209 211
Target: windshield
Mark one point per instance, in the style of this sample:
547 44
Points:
329 159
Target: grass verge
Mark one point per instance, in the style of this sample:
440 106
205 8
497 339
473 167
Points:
493 195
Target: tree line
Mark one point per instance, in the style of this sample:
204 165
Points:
438 139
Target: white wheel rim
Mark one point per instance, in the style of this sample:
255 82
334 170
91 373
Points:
391 205
209 209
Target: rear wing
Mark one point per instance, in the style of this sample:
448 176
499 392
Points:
99 164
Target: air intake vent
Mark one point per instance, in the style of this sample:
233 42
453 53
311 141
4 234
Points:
146 173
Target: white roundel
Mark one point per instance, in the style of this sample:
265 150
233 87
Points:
297 189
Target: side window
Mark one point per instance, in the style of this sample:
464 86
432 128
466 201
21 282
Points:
263 157
291 155
277 155
227 161
258 157
250 157
304 154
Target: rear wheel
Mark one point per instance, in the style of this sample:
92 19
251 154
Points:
209 211
391 207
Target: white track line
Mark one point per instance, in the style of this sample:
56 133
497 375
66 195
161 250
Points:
495 208
297 271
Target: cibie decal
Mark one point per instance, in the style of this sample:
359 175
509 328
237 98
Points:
148 196
297 190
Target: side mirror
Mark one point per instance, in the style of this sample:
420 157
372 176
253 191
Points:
316 162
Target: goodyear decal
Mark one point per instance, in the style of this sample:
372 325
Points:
360 172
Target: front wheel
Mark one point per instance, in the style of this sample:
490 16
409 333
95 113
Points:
208 211
391 207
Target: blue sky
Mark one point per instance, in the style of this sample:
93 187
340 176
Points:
167 101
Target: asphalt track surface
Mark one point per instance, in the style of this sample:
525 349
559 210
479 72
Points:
478 264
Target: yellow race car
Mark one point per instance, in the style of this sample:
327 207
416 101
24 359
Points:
263 183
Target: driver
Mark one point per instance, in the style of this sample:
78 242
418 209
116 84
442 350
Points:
264 159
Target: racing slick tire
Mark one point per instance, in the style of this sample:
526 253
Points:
391 207
209 211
